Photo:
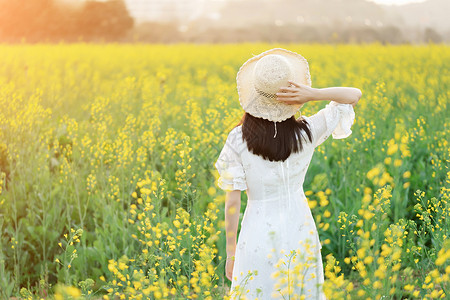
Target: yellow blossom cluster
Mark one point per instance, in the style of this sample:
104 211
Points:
166 248
379 176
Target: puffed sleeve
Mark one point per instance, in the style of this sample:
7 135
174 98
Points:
229 164
335 119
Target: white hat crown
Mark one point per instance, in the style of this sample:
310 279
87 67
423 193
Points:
261 77
271 73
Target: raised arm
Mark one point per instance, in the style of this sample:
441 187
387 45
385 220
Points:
300 94
345 95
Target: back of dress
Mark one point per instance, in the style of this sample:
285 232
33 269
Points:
277 218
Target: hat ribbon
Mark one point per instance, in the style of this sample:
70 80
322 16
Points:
267 95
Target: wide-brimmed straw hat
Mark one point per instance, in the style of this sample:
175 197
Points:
261 77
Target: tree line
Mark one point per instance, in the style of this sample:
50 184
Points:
49 21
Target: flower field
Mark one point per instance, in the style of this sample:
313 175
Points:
108 188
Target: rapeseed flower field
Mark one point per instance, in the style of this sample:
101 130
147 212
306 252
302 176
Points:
108 188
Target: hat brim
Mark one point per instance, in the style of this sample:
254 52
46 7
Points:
263 107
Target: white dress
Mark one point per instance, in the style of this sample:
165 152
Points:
277 218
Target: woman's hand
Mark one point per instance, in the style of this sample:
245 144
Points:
229 267
297 93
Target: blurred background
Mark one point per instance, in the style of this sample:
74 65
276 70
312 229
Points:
218 21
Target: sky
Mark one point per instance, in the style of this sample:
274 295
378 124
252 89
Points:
389 2
395 2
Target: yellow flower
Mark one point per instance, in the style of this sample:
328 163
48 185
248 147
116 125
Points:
122 266
211 191
312 204
177 223
392 149
367 215
380 273
387 160
367 191
396 267
158 295
373 172
73 291
386 250
368 260
377 284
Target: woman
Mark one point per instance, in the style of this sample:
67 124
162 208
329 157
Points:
267 155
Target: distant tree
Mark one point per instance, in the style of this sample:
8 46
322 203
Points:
157 32
308 33
391 34
109 19
27 19
368 35
431 36
42 20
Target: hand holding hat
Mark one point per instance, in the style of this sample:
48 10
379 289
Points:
296 93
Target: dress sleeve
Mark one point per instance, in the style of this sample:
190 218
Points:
229 165
335 119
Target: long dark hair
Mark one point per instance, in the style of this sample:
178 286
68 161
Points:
258 133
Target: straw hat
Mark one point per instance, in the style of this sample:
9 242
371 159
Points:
261 77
